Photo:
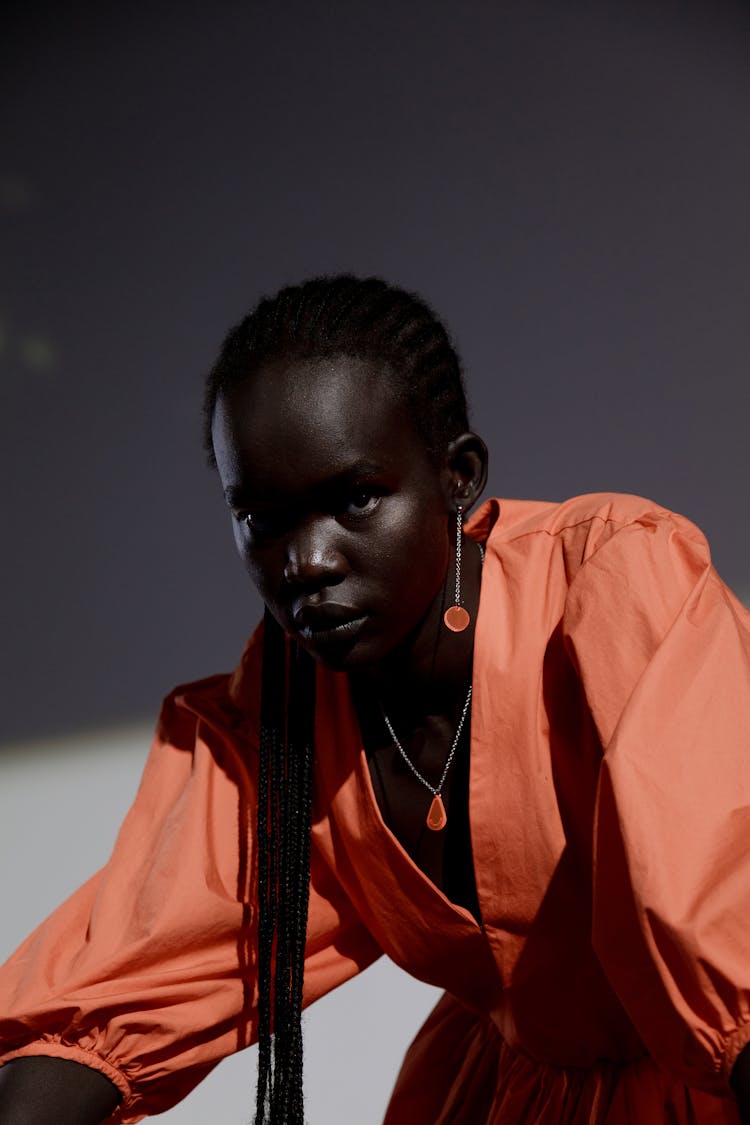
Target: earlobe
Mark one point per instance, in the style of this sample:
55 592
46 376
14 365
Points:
467 470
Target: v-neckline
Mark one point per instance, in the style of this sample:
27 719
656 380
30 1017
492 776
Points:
366 786
366 805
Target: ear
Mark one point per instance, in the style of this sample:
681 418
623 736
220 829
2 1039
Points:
465 471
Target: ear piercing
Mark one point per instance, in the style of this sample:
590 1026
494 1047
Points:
456 618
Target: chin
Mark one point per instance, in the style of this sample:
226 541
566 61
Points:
339 659
357 650
353 656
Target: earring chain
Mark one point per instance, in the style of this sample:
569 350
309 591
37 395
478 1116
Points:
459 537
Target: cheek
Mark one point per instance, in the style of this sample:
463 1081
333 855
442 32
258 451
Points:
260 568
239 538
418 559
240 542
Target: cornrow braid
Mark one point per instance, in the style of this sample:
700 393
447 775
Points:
363 319
284 806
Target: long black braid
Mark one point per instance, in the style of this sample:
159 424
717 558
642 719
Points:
365 319
284 802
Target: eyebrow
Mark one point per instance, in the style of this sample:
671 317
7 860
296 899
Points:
236 495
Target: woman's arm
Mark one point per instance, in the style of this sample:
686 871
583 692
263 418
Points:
46 1091
663 651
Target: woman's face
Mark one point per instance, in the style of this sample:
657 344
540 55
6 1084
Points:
340 516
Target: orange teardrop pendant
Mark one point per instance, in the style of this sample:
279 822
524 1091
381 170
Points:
436 817
456 618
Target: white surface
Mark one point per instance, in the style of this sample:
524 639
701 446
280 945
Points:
64 801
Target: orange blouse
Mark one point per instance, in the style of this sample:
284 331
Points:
609 807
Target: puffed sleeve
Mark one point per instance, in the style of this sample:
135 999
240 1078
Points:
662 648
147 973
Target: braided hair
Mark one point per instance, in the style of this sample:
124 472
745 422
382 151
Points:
284 803
364 319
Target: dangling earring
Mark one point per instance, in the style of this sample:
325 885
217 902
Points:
456 618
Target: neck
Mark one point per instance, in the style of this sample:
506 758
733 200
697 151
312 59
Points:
428 674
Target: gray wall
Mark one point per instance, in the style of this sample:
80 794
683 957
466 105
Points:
567 182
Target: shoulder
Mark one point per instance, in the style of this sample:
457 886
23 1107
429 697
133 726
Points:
225 702
581 525
559 543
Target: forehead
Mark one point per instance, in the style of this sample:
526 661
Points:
311 419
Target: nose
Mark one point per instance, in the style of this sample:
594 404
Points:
313 556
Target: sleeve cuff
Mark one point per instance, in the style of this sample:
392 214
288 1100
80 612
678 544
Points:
54 1048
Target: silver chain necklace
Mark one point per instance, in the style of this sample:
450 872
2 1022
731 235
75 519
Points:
436 817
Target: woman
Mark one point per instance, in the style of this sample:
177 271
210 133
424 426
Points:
579 894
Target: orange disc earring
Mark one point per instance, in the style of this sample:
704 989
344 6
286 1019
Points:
456 618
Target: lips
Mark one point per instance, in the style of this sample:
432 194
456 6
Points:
316 622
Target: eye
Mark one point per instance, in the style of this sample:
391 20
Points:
257 523
362 502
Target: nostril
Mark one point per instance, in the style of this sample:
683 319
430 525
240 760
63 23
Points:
313 557
315 570
310 579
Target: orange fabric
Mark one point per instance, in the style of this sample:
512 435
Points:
610 814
